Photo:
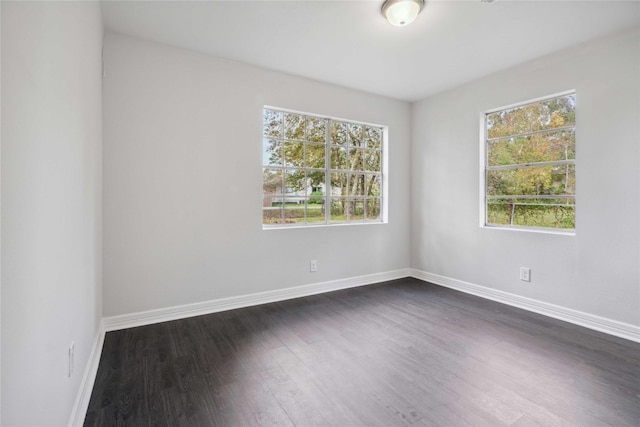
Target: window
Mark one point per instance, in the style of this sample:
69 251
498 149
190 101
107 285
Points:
529 164
319 170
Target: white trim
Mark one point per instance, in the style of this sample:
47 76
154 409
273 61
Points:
300 226
569 162
533 132
484 167
319 116
383 172
483 173
213 306
591 321
80 406
531 101
531 229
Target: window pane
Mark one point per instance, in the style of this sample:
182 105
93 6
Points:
272 126
272 207
272 152
372 161
294 154
294 210
356 210
317 185
374 185
294 126
315 208
356 159
271 211
316 129
555 213
339 209
356 135
547 114
542 147
373 209
296 184
315 156
303 183
338 184
316 182
338 133
357 185
548 180
271 182
339 158
373 137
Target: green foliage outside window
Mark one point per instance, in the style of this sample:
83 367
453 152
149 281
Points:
311 162
530 175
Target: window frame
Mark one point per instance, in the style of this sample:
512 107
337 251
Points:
328 170
484 167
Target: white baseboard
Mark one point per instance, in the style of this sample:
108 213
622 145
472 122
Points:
601 324
79 411
189 310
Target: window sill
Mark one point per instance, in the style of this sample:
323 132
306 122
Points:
531 229
298 227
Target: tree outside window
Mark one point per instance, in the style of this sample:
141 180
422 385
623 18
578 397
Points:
319 170
530 167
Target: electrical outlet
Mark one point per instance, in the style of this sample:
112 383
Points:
313 265
525 274
71 354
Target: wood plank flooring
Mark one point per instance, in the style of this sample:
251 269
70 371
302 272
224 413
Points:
394 354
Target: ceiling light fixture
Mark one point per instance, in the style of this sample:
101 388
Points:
401 12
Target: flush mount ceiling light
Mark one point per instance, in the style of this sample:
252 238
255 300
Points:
402 12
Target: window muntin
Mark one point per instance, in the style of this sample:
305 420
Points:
304 155
529 165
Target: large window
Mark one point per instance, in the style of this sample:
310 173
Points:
529 164
319 170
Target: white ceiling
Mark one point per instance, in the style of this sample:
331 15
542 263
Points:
349 43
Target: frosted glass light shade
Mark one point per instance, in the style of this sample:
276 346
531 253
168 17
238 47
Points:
402 12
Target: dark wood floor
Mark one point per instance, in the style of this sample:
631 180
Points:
399 353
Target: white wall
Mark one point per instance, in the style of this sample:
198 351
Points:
183 181
596 271
51 204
